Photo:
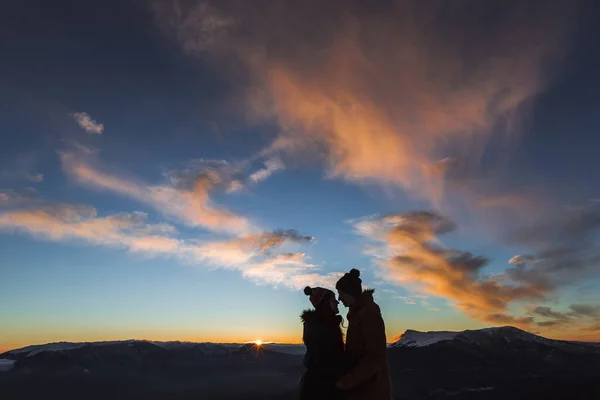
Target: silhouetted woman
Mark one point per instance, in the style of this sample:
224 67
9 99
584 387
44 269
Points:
324 346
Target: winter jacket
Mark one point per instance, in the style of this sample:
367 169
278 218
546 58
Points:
366 346
324 356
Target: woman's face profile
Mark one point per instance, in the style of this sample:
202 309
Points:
333 304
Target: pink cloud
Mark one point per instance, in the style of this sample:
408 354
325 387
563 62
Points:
68 222
251 254
380 95
192 206
85 122
412 254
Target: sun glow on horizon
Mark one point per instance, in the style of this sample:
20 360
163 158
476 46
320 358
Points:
258 342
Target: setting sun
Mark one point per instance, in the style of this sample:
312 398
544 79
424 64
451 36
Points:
258 342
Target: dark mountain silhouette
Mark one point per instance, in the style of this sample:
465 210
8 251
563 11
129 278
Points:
490 347
494 363
141 356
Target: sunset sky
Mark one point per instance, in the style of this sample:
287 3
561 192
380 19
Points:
180 170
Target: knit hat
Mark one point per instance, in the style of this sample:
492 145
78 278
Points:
316 295
350 283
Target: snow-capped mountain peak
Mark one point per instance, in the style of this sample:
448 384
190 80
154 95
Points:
38 348
412 338
494 337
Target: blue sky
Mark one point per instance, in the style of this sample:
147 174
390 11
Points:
177 171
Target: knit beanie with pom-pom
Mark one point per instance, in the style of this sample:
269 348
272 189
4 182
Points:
317 294
350 283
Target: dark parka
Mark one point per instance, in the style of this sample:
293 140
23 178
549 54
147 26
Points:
366 349
324 355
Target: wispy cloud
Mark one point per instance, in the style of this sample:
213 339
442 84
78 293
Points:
271 166
10 198
409 299
264 257
406 299
247 247
61 222
583 316
564 249
255 255
223 175
186 196
21 166
85 122
380 95
198 28
37 178
290 269
186 200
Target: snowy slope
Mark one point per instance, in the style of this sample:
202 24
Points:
412 338
35 349
32 350
490 337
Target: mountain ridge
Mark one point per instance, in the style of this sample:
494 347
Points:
509 363
415 338
410 338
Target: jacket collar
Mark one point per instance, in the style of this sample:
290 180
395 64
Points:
365 299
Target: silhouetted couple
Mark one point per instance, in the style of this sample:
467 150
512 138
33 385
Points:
359 370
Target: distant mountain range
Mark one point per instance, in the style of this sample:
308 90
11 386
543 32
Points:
494 363
204 348
489 336
104 357
488 363
414 348
492 346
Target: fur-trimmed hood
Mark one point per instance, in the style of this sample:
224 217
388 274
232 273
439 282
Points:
308 315
367 295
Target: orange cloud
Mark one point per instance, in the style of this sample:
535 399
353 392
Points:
252 254
382 93
68 222
409 249
247 248
507 201
192 206
186 199
412 255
